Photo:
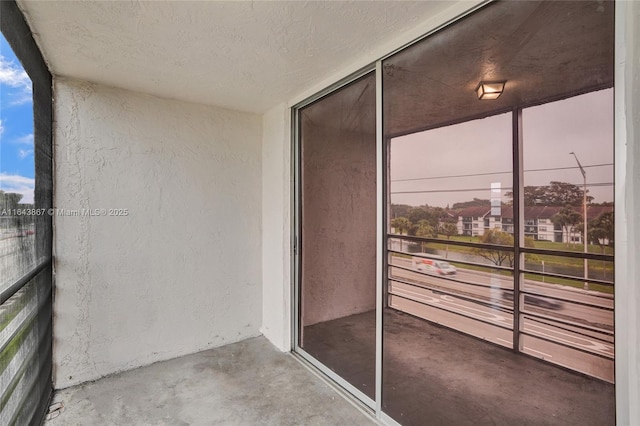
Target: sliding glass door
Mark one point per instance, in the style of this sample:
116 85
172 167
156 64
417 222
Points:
337 242
491 216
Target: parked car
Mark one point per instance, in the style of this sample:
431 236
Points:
536 300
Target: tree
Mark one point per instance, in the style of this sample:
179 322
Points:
401 224
555 194
416 214
477 202
448 229
497 257
426 231
601 230
400 210
567 218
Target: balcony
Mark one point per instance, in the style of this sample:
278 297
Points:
245 383
170 112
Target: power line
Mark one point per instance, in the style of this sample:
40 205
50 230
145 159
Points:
499 173
488 189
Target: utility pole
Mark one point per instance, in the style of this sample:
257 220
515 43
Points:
584 220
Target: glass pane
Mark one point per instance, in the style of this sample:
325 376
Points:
464 297
568 175
451 183
17 170
451 322
338 270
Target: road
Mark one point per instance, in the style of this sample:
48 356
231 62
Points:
482 311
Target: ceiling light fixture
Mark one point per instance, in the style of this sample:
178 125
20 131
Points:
490 89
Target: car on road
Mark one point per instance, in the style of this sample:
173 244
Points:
437 267
536 300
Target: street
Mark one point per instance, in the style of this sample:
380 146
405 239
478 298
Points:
583 342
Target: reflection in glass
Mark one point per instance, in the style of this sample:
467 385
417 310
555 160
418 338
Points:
468 298
451 179
568 176
338 215
451 182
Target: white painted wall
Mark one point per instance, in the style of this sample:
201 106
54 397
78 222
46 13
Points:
627 198
276 232
182 272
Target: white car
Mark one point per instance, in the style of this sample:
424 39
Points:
436 267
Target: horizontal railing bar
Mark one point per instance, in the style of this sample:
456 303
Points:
562 299
457 295
451 242
464 262
23 323
504 308
13 289
448 278
44 368
531 250
17 381
572 254
607 333
568 277
607 357
452 312
568 323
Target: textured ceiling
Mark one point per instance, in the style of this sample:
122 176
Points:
247 56
545 50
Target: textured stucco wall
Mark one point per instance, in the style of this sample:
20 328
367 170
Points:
338 226
627 147
276 233
182 271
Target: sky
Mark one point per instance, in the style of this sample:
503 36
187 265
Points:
456 163
17 172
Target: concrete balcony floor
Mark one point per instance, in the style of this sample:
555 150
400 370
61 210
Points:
433 375
246 383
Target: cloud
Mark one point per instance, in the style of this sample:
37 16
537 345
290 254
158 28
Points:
25 140
18 184
14 76
1 128
23 153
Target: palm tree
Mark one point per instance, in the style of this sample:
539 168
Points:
400 225
426 231
448 229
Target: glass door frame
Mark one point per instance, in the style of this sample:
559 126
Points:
344 386
374 406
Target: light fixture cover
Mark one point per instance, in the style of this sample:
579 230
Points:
490 89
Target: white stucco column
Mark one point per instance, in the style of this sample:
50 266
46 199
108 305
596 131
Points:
627 199
276 227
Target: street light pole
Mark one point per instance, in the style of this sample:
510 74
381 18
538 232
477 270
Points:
584 220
